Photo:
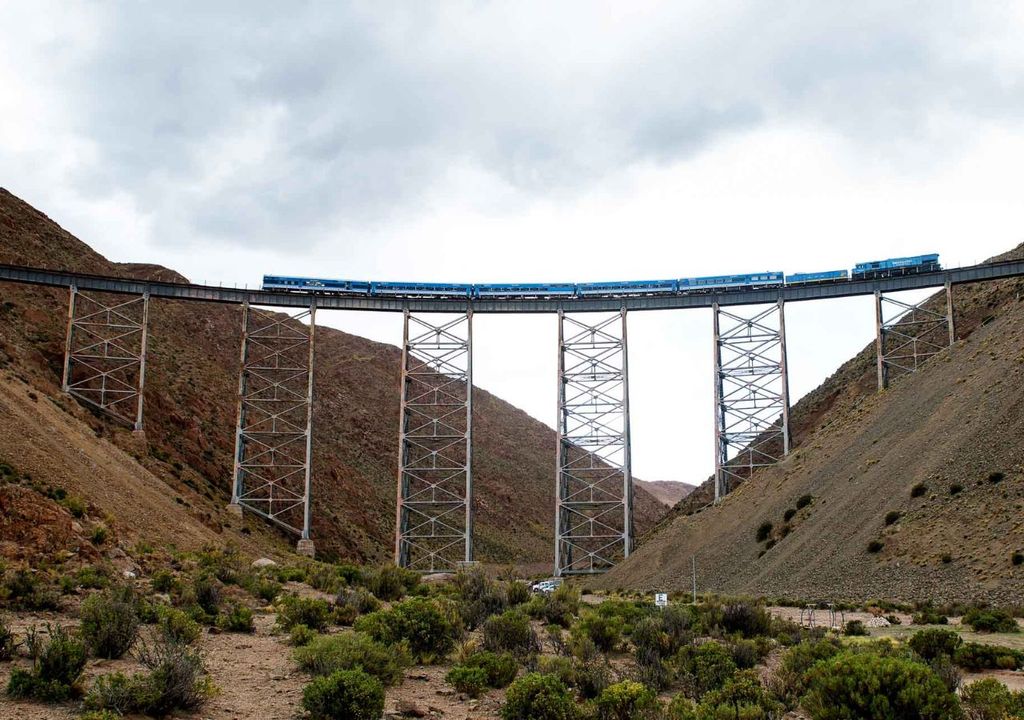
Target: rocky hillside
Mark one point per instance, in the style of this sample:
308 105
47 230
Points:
185 455
668 492
913 493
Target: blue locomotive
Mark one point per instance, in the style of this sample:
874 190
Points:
708 284
896 266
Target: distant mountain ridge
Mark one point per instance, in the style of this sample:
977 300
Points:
668 492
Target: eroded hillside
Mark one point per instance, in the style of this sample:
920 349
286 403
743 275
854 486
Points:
915 492
190 413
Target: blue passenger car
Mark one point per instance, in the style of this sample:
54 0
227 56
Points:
415 288
628 287
896 266
731 282
277 282
818 277
525 290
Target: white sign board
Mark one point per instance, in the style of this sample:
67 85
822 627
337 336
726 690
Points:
661 599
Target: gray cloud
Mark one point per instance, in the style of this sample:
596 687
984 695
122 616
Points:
245 122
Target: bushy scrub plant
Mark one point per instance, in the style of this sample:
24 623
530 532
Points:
990 699
390 582
747 619
934 642
478 597
741 696
57 664
510 632
789 682
469 680
237 618
603 629
110 621
428 626
704 668
293 610
349 694
977 656
326 654
500 669
177 626
539 697
628 700
871 687
990 620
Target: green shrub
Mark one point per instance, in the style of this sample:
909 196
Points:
177 626
469 680
478 597
300 635
976 656
628 700
789 514
162 581
429 627
990 620
294 610
855 628
748 653
933 643
92 577
955 489
207 592
892 516
348 694
789 682
590 671
238 618
99 535
928 616
57 665
500 669
390 582
517 593
875 546
918 490
989 699
871 687
705 667
764 530
324 577
100 715
7 641
266 589
1016 558
538 697
22 590
740 696
996 477
110 621
350 603
747 619
510 632
604 630
804 501
326 654
655 639
560 607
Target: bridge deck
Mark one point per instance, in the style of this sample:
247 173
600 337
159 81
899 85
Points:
789 293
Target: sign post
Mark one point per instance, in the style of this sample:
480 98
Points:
661 599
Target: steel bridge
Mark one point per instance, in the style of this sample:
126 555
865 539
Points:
105 368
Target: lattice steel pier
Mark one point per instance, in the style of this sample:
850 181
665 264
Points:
434 523
908 335
594 485
751 392
105 354
273 434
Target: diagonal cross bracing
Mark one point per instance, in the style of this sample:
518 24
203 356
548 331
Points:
272 471
105 354
908 335
751 392
594 484
434 515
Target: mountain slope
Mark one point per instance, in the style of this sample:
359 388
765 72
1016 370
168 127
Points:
191 404
955 427
668 492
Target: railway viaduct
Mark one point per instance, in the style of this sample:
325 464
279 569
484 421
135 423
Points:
105 367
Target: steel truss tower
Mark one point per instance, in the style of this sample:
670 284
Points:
594 485
908 335
105 354
434 523
273 434
751 393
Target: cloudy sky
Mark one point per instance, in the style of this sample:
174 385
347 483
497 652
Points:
529 141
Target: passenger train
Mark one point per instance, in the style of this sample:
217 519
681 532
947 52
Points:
684 286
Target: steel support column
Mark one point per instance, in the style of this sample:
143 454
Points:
751 392
273 433
434 514
594 483
105 354
907 335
